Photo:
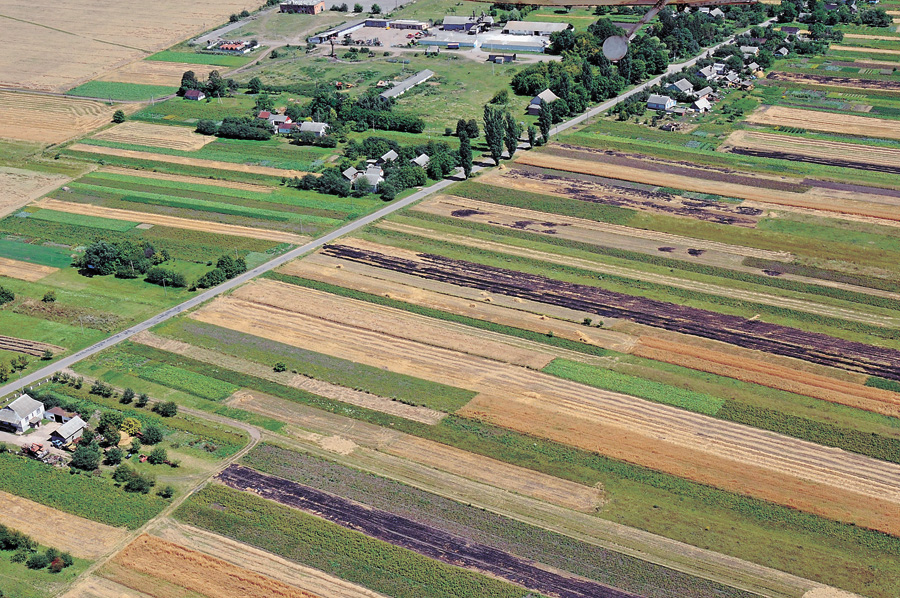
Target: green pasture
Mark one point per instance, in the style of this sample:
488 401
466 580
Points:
121 91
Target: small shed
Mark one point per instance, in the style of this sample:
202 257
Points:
537 102
389 157
69 432
194 94
701 105
658 102
59 415
421 160
501 58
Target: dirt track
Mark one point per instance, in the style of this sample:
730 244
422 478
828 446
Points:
141 133
24 270
200 163
180 178
420 538
697 181
830 122
172 221
861 49
83 538
159 564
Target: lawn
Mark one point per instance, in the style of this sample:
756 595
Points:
120 91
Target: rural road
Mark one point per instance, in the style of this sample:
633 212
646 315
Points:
200 298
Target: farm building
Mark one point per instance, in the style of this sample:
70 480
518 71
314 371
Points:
317 129
305 7
703 93
59 415
194 94
345 29
790 30
389 157
68 432
534 108
409 24
782 51
285 128
501 58
400 88
378 23
753 67
20 415
680 86
534 28
658 102
373 175
468 24
350 173
421 160
701 105
749 51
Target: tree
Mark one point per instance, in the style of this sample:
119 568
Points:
131 426
110 423
167 409
113 456
216 85
118 116
494 132
6 295
465 154
188 81
545 121
49 297
127 397
357 7
376 10
143 399
264 102
86 457
158 456
388 191
280 366
47 355
213 278
513 130
254 85
532 135
38 560
207 127
461 127
152 435
166 492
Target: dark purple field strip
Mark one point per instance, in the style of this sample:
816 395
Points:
750 334
798 157
423 539
852 188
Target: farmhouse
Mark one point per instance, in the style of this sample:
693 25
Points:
708 72
534 108
421 160
501 58
703 93
400 88
534 28
317 129
306 7
59 415
20 415
69 432
373 175
749 51
194 94
682 86
658 102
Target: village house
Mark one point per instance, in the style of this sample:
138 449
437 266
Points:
680 86
69 432
388 157
701 105
194 94
21 415
703 93
658 102
421 160
538 101
317 129
709 73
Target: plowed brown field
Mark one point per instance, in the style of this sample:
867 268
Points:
141 133
179 178
819 201
172 221
24 270
848 124
882 85
83 538
48 119
793 472
152 565
23 186
772 375
214 164
157 72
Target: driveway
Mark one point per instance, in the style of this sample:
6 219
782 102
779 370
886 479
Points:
37 435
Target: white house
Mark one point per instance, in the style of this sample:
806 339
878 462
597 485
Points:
703 93
546 96
708 72
20 415
317 129
658 102
749 51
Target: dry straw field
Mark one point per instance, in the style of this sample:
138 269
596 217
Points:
24 270
153 72
828 122
141 133
23 186
79 40
48 119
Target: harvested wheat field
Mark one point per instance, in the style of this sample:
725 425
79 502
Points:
82 537
200 163
21 187
816 151
694 179
157 72
769 374
21 345
840 48
671 281
169 137
830 122
78 40
498 309
886 38
48 119
260 561
98 587
24 270
156 567
318 387
882 85
785 470
180 178
579 229
171 221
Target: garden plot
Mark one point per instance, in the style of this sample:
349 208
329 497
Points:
808 80
829 122
48 119
83 538
24 270
77 40
154 72
172 221
817 151
141 133
706 180
150 564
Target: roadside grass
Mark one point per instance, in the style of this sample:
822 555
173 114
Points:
94 498
198 58
121 91
472 522
326 546
400 387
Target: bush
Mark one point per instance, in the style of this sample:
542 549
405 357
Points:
113 456
118 116
158 456
49 297
166 492
86 457
37 560
6 295
244 127
167 409
165 276
207 127
143 399
280 366
127 396
151 435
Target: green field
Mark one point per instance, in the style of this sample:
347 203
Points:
35 254
198 58
120 91
81 220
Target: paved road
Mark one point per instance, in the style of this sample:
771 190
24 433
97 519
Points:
315 244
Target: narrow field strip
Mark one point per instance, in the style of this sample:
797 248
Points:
141 133
848 124
180 178
172 221
24 270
